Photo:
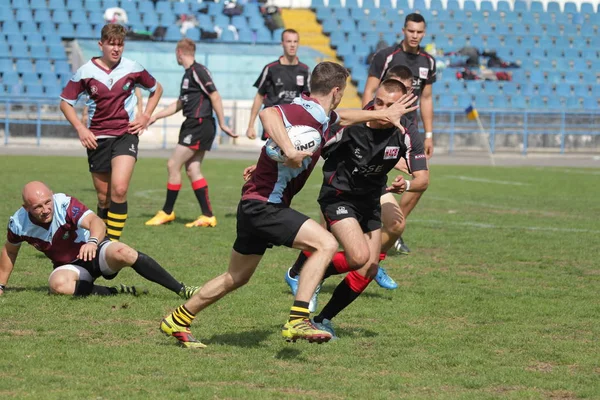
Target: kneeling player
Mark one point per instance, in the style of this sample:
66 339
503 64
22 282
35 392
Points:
73 238
354 174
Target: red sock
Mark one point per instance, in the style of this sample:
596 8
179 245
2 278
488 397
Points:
357 282
340 263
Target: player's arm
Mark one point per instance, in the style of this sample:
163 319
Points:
273 125
256 104
86 137
142 120
427 118
7 263
217 104
97 228
171 109
391 114
84 115
418 183
370 88
140 100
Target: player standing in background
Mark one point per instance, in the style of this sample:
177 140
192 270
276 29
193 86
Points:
73 238
112 137
264 216
198 98
409 53
280 81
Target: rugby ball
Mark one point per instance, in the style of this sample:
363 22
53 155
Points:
304 138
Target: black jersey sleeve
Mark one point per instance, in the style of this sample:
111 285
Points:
203 78
306 87
376 68
262 82
415 150
431 77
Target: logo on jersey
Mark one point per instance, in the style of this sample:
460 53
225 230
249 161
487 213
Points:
132 148
279 82
126 86
187 139
419 156
185 84
287 94
94 90
300 80
391 152
357 153
423 73
75 210
341 210
110 82
368 170
65 236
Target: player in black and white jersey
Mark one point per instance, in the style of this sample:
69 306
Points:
354 176
198 98
281 81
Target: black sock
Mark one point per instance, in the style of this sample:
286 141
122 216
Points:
85 288
201 191
148 268
172 192
331 270
102 213
297 267
341 298
117 215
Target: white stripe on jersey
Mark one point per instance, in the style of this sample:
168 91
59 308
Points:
408 144
263 77
199 82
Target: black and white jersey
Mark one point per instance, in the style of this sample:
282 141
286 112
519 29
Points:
422 65
358 158
280 84
196 86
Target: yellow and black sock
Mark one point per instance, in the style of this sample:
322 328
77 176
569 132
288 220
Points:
117 215
182 316
102 213
299 310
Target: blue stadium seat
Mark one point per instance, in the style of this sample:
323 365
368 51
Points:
66 30
19 51
554 7
29 77
335 4
482 100
563 89
4 51
84 31
56 4
79 17
47 29
446 101
537 103
509 88
352 4
580 65
57 52
588 31
570 8
6 14
368 4
52 90
37 4
581 90
337 37
263 36
173 33
518 102
74 5
181 8
469 5
554 77
590 103
536 7
246 36
42 16
15 89
501 102
193 33
493 42
486 5
537 77
24 65
150 18
572 103
227 36
24 15
62 67
544 90
162 7
464 100
38 51
571 53
526 89
34 90
536 30
6 64
43 65
554 103
587 8
387 4
28 27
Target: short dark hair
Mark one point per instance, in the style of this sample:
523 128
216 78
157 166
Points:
292 31
113 32
393 85
400 72
414 17
326 76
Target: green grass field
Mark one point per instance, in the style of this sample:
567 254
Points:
499 299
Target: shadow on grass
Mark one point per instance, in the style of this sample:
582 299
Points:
251 338
288 353
354 333
27 289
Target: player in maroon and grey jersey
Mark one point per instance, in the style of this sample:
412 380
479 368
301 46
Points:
111 137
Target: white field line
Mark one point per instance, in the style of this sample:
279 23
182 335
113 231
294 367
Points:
518 210
472 224
484 180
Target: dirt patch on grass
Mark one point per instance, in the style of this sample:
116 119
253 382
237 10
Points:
540 366
18 332
560 395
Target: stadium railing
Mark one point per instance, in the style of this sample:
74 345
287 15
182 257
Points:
507 131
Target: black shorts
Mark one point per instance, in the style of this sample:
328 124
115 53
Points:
337 206
197 134
261 225
124 145
93 266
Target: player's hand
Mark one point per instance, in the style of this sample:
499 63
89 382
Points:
87 139
140 123
294 160
87 252
248 171
251 133
404 105
428 143
398 185
227 130
152 120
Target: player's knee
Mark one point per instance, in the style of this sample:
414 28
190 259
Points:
396 228
235 281
62 285
123 254
119 192
328 245
357 258
172 165
103 200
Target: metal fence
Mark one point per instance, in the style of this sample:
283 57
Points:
505 130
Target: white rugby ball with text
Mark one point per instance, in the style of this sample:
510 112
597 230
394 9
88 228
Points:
304 138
